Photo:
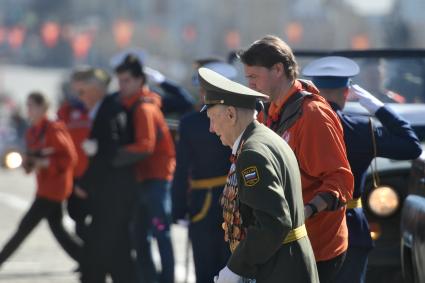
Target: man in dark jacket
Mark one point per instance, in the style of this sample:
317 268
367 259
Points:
106 187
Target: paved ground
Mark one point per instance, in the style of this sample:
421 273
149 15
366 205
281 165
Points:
40 259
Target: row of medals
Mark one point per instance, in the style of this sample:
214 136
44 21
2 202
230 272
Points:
232 224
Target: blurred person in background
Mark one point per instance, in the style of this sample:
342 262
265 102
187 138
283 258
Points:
374 78
107 187
197 185
75 116
152 149
395 139
312 129
175 99
51 155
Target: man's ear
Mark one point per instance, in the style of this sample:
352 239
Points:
278 69
231 113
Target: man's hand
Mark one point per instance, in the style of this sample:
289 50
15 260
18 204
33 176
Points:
89 147
227 276
366 99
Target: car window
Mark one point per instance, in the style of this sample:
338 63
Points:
391 79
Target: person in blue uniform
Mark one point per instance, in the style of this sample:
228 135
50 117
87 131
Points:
395 139
201 167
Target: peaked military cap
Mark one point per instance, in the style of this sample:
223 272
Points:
220 90
331 71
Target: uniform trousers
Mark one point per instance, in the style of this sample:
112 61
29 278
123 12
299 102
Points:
329 269
210 251
354 267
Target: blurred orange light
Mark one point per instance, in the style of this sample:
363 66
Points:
16 37
123 32
50 33
81 45
294 31
189 33
360 41
233 39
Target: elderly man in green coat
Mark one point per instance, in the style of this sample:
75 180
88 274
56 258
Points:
263 209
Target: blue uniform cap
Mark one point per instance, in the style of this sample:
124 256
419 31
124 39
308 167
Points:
331 71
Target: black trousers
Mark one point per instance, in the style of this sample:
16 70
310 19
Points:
108 245
328 269
52 211
78 211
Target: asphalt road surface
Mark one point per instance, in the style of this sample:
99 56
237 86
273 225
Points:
40 259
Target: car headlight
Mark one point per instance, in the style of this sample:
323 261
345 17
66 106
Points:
12 160
383 201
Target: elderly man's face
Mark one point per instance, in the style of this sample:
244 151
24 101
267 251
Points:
221 123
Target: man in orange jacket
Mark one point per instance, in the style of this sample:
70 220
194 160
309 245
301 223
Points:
312 129
152 148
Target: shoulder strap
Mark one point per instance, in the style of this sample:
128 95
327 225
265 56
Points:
291 112
374 164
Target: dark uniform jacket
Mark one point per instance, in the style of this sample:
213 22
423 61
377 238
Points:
200 155
270 204
395 139
176 99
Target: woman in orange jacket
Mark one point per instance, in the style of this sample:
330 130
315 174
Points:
52 156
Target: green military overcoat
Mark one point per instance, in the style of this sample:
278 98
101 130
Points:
271 205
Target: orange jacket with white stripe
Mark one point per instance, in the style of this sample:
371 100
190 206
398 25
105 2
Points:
318 143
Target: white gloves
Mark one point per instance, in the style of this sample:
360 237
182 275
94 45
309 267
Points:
366 99
227 276
89 147
154 75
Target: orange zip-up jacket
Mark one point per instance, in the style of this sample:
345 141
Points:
317 141
152 137
55 181
78 124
